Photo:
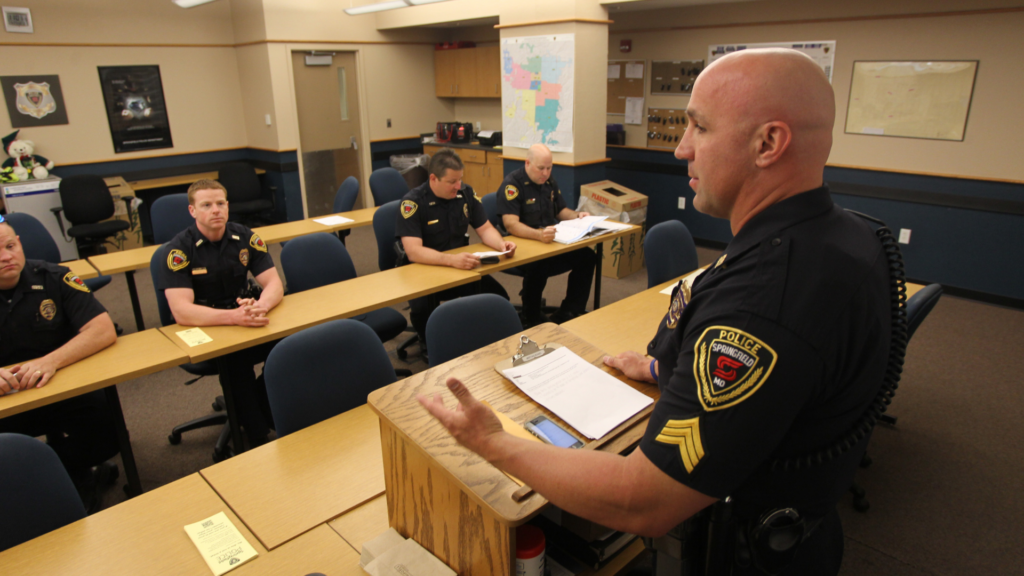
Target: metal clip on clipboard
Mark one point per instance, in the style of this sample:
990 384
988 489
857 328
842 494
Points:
528 351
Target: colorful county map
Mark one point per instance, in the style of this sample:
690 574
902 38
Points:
537 91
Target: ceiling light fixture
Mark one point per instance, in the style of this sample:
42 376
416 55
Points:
382 6
190 3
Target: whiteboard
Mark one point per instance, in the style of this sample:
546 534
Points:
823 52
911 99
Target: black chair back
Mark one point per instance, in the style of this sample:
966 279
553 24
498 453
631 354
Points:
920 304
384 221
35 238
465 324
170 216
315 260
490 203
387 185
38 495
347 195
241 182
86 199
669 252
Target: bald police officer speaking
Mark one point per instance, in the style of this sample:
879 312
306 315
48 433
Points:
776 351
49 320
435 216
205 281
530 205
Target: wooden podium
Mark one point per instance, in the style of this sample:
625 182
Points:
448 499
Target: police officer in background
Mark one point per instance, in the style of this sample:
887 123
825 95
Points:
434 217
206 283
774 354
530 205
49 320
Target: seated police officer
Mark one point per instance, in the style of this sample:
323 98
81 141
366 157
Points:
49 320
773 355
206 284
435 217
530 205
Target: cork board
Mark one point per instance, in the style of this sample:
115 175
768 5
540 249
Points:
621 87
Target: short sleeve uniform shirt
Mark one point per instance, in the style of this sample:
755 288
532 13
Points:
777 350
215 271
441 224
537 205
47 308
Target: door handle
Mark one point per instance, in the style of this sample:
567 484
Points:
355 146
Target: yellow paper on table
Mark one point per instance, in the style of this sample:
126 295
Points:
514 429
220 543
194 337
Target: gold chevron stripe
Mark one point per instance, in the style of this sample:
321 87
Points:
685 434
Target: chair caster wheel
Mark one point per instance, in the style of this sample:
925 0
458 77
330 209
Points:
402 354
174 439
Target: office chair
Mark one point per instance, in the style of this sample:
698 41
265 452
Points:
670 252
85 201
221 449
469 323
320 259
39 245
245 194
387 185
345 200
384 230
38 495
324 371
170 216
918 307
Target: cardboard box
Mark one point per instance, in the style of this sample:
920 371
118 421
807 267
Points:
623 255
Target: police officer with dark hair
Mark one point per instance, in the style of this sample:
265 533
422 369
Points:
530 205
49 320
206 284
435 217
773 355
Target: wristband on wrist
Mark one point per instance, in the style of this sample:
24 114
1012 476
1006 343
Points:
651 368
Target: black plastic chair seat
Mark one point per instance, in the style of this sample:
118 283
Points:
98 230
205 368
250 206
94 284
388 323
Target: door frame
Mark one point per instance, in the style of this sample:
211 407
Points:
365 158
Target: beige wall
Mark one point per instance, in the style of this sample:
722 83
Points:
993 138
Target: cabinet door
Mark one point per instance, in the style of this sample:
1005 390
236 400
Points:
488 65
475 175
495 171
465 73
445 72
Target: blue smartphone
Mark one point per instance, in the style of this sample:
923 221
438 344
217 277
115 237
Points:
548 431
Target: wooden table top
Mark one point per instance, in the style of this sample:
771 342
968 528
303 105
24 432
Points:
397 406
341 300
138 258
628 324
364 523
289 486
319 551
131 356
144 535
81 268
177 180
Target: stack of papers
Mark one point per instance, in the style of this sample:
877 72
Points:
570 231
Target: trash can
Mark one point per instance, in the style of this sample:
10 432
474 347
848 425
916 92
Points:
412 167
624 255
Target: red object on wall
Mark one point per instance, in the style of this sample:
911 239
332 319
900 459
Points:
625 45
454 45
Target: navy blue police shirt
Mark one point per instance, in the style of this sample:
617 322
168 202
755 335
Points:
537 205
441 224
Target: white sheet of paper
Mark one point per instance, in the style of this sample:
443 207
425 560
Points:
566 231
588 399
332 220
635 70
634 110
488 254
485 134
611 225
194 336
614 71
688 279
220 543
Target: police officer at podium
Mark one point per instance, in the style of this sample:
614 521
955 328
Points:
530 205
205 280
765 363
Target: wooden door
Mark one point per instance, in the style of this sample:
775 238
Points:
327 107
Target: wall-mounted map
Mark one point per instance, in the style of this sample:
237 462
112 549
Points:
537 91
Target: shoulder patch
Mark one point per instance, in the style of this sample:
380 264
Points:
257 242
729 366
685 434
72 279
465 210
408 208
511 192
177 260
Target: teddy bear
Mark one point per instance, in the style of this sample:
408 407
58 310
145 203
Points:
25 164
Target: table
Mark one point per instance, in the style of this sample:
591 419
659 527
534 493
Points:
439 492
131 356
528 250
178 180
81 268
364 523
290 486
129 261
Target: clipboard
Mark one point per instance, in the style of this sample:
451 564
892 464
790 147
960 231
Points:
528 352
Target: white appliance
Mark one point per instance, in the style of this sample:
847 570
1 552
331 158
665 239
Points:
36 197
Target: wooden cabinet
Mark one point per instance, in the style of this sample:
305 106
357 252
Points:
468 72
484 168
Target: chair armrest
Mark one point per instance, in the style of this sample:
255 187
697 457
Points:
60 221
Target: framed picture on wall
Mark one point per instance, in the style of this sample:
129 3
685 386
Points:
136 110
34 100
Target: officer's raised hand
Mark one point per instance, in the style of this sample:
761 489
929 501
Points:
471 423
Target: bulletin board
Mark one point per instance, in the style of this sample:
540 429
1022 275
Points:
928 99
674 76
625 80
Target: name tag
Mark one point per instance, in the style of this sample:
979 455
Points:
233 237
432 222
198 271
37 287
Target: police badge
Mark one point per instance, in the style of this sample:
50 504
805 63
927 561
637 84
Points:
243 256
48 309
34 99
680 298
